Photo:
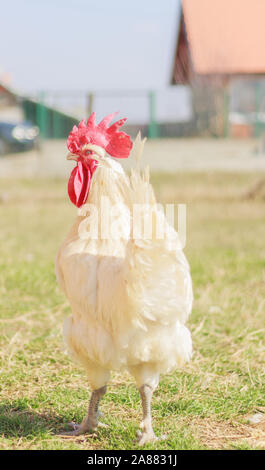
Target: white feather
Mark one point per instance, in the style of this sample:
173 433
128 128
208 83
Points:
130 298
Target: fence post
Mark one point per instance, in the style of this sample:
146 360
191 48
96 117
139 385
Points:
41 115
258 98
90 104
153 131
226 109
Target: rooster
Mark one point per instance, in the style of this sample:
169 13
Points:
130 294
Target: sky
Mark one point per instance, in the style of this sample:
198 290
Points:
88 45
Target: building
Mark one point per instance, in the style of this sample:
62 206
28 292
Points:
218 41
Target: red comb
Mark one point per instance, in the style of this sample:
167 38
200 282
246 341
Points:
117 144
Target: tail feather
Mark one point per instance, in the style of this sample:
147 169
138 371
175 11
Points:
156 271
138 148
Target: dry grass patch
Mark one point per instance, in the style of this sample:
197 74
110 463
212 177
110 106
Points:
229 434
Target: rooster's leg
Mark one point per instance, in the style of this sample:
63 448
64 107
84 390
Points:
90 422
147 434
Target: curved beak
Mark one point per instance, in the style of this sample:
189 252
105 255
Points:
96 153
71 156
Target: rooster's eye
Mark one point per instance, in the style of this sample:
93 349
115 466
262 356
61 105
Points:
88 152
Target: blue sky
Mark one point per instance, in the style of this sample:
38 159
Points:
88 44
94 45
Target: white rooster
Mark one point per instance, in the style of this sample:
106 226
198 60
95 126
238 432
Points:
130 294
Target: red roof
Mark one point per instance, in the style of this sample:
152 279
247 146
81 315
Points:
225 36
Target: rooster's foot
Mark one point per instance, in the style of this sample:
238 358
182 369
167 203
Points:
84 428
90 422
79 429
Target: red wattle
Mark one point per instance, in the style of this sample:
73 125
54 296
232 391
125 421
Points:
80 181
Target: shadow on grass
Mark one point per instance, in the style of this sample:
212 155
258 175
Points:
18 419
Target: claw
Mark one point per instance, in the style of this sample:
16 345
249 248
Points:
78 430
73 425
102 425
146 437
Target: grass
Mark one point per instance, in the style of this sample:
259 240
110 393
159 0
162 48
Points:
203 406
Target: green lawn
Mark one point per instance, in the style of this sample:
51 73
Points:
205 405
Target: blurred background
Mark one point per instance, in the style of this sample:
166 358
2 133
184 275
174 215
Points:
189 70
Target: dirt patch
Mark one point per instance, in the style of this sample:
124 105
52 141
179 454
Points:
229 434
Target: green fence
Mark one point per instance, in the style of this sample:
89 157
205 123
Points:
56 124
53 124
